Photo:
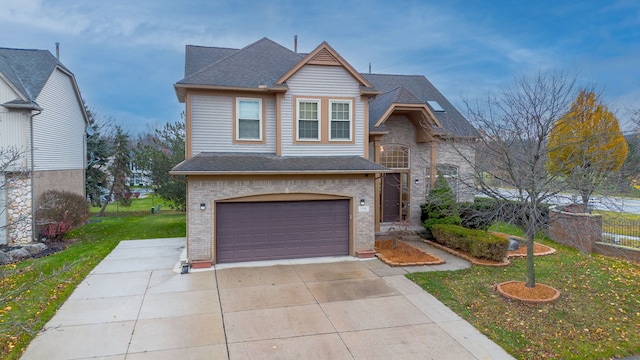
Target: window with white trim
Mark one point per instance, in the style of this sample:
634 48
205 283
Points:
340 119
249 119
308 118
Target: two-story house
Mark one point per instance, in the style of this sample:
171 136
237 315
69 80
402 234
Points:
293 155
42 118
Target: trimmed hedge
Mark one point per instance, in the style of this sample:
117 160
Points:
477 243
483 212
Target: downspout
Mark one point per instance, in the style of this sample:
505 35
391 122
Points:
33 177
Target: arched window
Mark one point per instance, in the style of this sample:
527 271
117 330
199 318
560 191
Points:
394 156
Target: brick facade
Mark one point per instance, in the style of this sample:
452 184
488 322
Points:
577 230
402 131
210 189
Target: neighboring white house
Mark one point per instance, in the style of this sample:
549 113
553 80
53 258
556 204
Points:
41 116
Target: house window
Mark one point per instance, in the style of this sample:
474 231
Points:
340 121
308 119
394 156
450 173
249 117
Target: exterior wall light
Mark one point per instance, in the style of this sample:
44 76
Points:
417 181
361 202
203 206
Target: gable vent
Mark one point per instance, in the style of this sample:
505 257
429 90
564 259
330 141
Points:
324 57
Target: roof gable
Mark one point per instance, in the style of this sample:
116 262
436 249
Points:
27 70
421 91
325 55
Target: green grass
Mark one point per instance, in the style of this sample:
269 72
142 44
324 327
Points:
614 222
596 317
33 290
141 206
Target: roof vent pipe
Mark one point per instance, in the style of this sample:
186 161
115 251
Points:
295 43
57 50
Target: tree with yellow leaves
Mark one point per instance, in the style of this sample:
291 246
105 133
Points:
586 145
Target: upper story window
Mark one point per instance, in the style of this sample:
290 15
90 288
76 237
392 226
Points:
340 119
249 119
308 118
394 156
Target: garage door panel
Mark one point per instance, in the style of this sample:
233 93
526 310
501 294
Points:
280 230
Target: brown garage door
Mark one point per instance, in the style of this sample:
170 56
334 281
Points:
250 231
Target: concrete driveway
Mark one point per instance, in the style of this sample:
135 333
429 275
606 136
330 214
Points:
134 305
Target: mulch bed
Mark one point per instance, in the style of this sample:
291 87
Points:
538 249
404 254
465 255
517 290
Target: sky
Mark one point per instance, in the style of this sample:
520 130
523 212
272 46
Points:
127 54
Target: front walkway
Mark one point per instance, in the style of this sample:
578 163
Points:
134 305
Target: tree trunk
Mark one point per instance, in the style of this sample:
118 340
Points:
585 202
106 202
530 233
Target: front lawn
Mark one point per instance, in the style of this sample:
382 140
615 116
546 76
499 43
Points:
596 317
33 290
141 205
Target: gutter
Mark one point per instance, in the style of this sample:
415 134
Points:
23 106
275 172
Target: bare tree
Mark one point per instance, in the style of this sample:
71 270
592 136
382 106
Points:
515 125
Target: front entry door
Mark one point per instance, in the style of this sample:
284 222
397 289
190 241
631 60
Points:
391 198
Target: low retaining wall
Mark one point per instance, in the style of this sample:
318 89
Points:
577 230
617 251
582 231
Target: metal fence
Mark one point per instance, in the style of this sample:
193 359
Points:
621 232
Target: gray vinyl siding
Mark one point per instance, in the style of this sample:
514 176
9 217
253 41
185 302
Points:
14 134
58 134
322 81
3 211
14 125
212 126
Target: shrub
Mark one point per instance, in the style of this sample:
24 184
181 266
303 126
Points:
483 212
477 243
61 212
488 246
440 205
479 214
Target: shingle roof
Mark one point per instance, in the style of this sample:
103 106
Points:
265 61
28 70
261 63
199 57
255 163
394 90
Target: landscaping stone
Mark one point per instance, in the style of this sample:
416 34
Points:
5 258
19 253
35 248
13 253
